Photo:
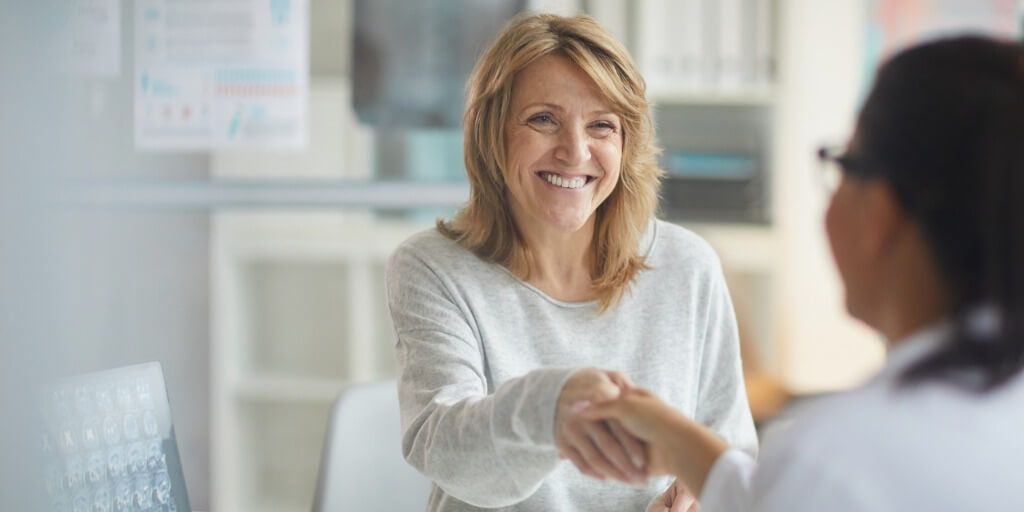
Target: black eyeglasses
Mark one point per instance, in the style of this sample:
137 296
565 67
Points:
836 161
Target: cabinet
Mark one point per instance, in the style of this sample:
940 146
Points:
804 80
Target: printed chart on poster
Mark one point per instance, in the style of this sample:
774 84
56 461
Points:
221 74
94 41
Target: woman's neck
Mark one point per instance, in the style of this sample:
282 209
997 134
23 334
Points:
914 297
560 262
910 292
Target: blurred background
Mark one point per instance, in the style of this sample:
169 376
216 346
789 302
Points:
217 185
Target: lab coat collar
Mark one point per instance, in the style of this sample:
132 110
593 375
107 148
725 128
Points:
912 349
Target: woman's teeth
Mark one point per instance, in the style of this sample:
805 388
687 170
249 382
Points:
559 181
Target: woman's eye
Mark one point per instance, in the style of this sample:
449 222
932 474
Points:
604 127
542 119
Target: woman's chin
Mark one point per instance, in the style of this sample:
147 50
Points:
568 223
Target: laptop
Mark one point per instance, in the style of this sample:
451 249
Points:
108 443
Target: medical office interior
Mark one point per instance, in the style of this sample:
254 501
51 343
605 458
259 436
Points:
216 186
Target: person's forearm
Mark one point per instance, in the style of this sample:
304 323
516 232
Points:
453 448
693 450
489 451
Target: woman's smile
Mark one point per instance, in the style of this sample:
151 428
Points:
565 181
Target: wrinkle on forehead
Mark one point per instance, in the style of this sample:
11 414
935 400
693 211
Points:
560 88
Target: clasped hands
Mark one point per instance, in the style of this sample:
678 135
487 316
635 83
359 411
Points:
608 448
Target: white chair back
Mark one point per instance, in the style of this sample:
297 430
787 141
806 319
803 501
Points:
362 467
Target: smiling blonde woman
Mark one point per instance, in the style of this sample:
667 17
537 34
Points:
485 226
556 285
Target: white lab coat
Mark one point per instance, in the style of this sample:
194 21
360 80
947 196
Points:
883 447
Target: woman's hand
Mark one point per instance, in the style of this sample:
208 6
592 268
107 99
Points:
677 498
647 418
600 449
675 444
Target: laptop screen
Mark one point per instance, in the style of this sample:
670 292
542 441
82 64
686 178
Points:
108 443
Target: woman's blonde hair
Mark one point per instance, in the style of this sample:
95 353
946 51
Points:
485 225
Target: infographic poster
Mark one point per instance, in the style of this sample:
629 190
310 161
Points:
95 38
221 74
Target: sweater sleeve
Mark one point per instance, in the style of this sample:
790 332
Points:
488 449
722 397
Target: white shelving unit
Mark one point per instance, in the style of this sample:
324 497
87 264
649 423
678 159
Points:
761 96
781 278
300 314
678 45
297 270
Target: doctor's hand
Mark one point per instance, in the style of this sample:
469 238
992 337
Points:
677 498
676 445
598 448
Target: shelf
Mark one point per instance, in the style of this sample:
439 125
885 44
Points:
338 249
280 506
753 97
266 194
306 237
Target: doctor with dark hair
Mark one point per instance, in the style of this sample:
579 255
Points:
927 231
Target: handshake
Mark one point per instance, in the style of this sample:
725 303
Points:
608 428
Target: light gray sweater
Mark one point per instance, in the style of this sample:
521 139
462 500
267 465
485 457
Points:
483 356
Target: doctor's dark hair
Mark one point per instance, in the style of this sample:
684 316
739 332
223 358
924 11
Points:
944 125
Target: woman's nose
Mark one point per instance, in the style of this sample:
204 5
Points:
573 147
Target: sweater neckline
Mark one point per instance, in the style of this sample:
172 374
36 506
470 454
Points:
647 240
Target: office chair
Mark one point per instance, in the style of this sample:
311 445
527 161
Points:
361 467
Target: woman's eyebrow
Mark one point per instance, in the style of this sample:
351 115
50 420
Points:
550 106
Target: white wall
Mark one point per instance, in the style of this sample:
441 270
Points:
82 290
142 289
821 46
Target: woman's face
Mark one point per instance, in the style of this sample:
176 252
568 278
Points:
563 145
842 224
857 225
